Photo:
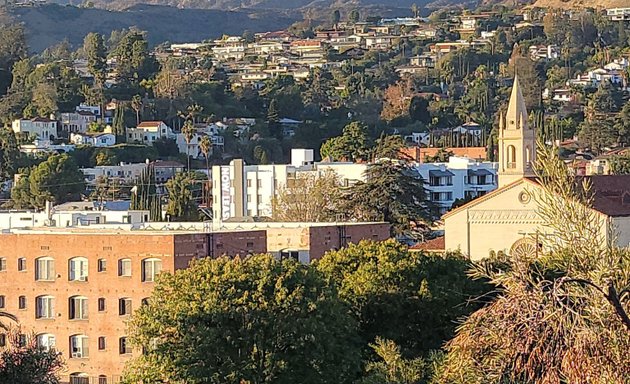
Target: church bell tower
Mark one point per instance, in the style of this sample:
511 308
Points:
517 140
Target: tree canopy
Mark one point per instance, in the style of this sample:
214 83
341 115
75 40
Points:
254 320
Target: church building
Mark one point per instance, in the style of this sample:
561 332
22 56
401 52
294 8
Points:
506 219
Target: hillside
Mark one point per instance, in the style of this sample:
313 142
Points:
564 4
256 4
52 23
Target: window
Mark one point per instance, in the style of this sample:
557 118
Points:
124 267
45 269
79 347
124 306
79 378
78 308
1 301
3 340
102 265
102 379
78 270
259 199
3 264
22 340
22 264
45 307
150 268
511 157
101 304
101 343
46 341
123 346
22 302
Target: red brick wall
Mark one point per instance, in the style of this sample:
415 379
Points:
323 239
174 250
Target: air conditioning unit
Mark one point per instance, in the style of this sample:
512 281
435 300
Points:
82 278
77 355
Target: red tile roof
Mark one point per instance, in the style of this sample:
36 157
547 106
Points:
433 245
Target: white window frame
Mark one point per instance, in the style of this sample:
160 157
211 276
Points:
150 269
78 269
122 271
78 308
46 341
79 347
45 269
45 307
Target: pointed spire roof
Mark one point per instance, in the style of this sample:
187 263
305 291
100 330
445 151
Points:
517 110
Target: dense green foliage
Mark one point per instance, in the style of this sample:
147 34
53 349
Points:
253 320
260 320
408 297
58 180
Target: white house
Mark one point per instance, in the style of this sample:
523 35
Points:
618 14
149 131
93 139
123 172
40 127
192 148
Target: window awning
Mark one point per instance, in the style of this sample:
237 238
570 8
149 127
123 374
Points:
440 173
479 172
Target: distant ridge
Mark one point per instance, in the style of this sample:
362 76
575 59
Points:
49 24
577 4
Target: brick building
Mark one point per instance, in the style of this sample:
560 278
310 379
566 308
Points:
75 289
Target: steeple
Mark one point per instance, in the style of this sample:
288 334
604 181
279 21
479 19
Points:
517 140
517 110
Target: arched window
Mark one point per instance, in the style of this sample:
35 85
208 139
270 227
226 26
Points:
79 347
528 156
45 307
78 308
79 378
511 157
78 269
150 268
45 269
124 267
46 341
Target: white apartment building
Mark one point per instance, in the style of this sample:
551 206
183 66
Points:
241 190
76 122
149 131
93 139
460 178
40 127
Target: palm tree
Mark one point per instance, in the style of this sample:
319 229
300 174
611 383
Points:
136 104
8 316
205 145
189 132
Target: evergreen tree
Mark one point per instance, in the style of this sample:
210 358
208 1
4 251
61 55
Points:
273 120
94 47
181 198
145 197
393 191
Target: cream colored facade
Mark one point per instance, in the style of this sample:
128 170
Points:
507 220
